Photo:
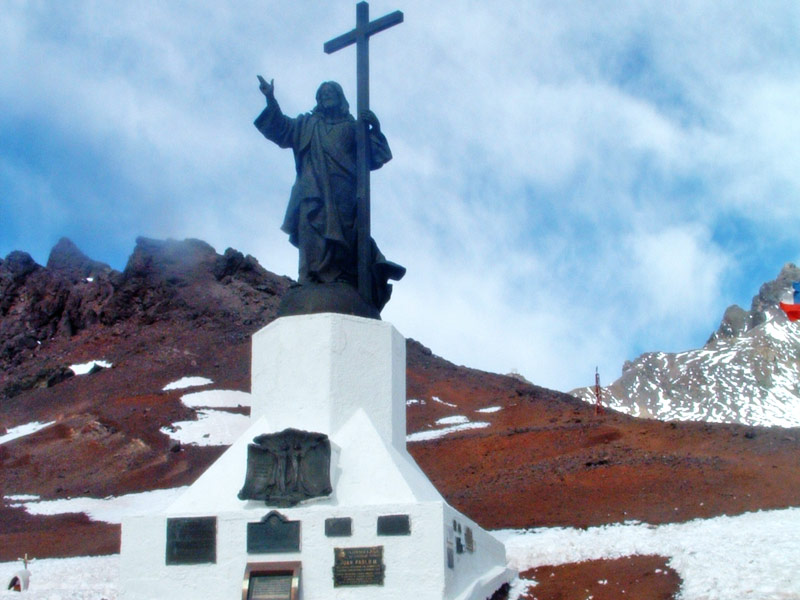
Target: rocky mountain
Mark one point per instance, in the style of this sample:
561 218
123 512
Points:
747 372
45 310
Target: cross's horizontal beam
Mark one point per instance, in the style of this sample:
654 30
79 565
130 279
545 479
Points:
372 28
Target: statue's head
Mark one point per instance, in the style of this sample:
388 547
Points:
331 100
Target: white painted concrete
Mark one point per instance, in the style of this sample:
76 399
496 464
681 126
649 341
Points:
343 376
319 369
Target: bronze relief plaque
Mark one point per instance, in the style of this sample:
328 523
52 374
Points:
287 467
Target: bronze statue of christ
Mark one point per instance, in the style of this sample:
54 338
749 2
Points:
321 218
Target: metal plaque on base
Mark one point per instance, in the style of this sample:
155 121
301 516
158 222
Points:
358 566
274 533
287 467
339 527
271 581
394 525
191 541
270 586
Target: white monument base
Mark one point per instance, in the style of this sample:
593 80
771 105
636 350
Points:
383 533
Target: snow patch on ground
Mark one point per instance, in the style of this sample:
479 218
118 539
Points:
754 555
23 430
110 510
217 399
519 587
413 401
84 368
81 578
490 409
454 420
440 401
187 382
422 436
212 428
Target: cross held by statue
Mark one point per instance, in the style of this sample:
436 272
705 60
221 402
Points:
360 37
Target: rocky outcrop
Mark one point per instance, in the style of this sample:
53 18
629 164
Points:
163 280
68 261
746 373
736 321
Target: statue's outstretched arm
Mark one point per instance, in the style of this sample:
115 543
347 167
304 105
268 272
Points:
272 123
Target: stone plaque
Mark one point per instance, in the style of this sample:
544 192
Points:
341 527
469 541
287 467
275 533
270 586
191 541
394 525
358 566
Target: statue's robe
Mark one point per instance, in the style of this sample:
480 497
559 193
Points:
321 216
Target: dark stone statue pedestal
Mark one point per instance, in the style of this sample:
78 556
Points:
336 297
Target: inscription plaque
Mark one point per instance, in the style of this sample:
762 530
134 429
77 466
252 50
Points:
394 525
270 586
191 541
469 541
271 581
275 533
358 566
339 527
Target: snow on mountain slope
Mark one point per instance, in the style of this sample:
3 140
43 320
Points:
748 372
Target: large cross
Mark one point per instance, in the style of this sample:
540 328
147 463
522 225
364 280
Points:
360 37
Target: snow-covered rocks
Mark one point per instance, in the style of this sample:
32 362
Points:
752 378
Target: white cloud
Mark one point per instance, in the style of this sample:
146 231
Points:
677 271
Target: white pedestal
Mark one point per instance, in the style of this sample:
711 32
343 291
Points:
343 376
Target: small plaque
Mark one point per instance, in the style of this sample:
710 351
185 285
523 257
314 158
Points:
341 527
358 566
191 541
270 586
469 541
275 533
394 525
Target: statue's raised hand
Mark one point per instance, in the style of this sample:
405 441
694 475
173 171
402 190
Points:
268 89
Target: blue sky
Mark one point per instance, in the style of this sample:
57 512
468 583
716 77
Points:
574 182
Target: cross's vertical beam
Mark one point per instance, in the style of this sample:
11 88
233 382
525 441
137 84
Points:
360 36
362 158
